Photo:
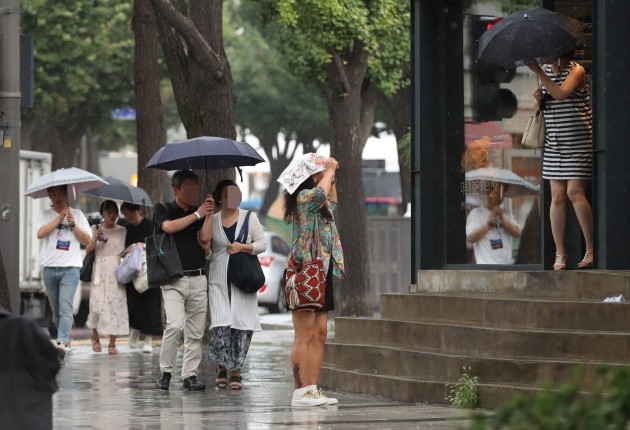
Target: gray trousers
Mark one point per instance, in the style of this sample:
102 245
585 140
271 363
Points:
185 305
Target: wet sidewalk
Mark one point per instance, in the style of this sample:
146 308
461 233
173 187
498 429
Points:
102 391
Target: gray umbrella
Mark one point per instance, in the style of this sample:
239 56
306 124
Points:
120 190
480 181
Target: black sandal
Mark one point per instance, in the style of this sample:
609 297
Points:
221 381
235 382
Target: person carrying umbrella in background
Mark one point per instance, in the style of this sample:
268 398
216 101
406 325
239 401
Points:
62 231
491 230
145 310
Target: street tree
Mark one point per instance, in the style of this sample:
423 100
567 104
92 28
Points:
83 52
351 50
191 35
271 100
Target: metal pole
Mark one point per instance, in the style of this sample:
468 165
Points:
10 144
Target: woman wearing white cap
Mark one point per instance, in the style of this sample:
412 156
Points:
310 202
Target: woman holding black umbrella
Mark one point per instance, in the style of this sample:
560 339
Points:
568 152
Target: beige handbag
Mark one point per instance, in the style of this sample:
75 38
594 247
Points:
534 134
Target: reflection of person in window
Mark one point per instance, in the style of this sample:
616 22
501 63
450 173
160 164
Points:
491 230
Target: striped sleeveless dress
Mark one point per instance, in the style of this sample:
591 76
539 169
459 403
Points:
568 151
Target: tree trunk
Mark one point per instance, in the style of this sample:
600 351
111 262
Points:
5 299
200 72
348 115
150 132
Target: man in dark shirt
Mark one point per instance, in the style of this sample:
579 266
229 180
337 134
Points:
186 299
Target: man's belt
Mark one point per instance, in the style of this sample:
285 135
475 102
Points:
194 272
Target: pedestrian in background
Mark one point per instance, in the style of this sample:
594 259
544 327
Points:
186 299
62 231
233 313
310 202
568 151
108 297
145 310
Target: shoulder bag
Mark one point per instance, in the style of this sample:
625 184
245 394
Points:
85 274
141 282
305 286
244 270
534 134
130 266
163 263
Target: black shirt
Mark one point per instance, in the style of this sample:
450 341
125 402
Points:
137 233
188 248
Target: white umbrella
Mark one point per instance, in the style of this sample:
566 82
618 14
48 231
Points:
478 181
77 179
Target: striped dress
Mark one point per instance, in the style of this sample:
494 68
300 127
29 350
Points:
568 152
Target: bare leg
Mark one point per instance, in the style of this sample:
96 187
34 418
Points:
111 348
304 325
558 213
576 191
316 351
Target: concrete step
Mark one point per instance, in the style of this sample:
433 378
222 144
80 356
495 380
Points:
430 366
587 284
413 390
501 311
478 341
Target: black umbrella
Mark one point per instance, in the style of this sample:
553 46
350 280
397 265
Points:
207 153
537 35
120 190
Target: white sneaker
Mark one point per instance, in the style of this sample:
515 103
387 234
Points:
133 338
329 400
61 349
309 398
148 347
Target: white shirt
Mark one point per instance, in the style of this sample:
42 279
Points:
61 248
495 247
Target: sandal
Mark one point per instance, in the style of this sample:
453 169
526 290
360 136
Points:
111 349
560 263
235 382
586 263
221 381
96 343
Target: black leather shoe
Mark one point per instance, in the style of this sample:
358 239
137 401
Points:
192 384
164 381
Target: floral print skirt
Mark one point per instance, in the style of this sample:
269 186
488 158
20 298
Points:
228 347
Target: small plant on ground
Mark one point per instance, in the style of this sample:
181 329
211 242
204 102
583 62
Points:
465 393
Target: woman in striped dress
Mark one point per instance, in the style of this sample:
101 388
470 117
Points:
568 151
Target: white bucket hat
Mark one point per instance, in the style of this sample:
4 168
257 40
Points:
300 169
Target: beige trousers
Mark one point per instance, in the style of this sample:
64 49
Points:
185 305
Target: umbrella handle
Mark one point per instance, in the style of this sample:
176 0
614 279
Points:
240 172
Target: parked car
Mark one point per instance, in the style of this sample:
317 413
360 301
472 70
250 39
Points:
271 295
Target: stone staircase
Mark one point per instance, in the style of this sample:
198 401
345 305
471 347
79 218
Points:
516 331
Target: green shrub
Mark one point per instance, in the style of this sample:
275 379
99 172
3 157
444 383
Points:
567 407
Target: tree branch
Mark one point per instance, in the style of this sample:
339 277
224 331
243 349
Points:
185 27
341 71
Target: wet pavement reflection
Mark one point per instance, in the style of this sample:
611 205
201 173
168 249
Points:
101 391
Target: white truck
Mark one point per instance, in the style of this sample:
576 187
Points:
33 298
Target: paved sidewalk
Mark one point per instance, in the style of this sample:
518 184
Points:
102 391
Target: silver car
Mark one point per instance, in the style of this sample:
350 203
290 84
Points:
271 295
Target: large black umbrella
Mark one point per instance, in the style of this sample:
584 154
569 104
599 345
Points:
120 190
537 35
207 153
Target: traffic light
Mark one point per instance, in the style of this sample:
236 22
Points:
489 102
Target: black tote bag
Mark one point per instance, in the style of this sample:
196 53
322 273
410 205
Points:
244 269
85 274
163 263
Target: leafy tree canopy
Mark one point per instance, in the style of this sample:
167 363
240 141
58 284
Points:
83 60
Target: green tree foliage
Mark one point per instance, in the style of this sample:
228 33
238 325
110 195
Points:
352 50
83 66
271 100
